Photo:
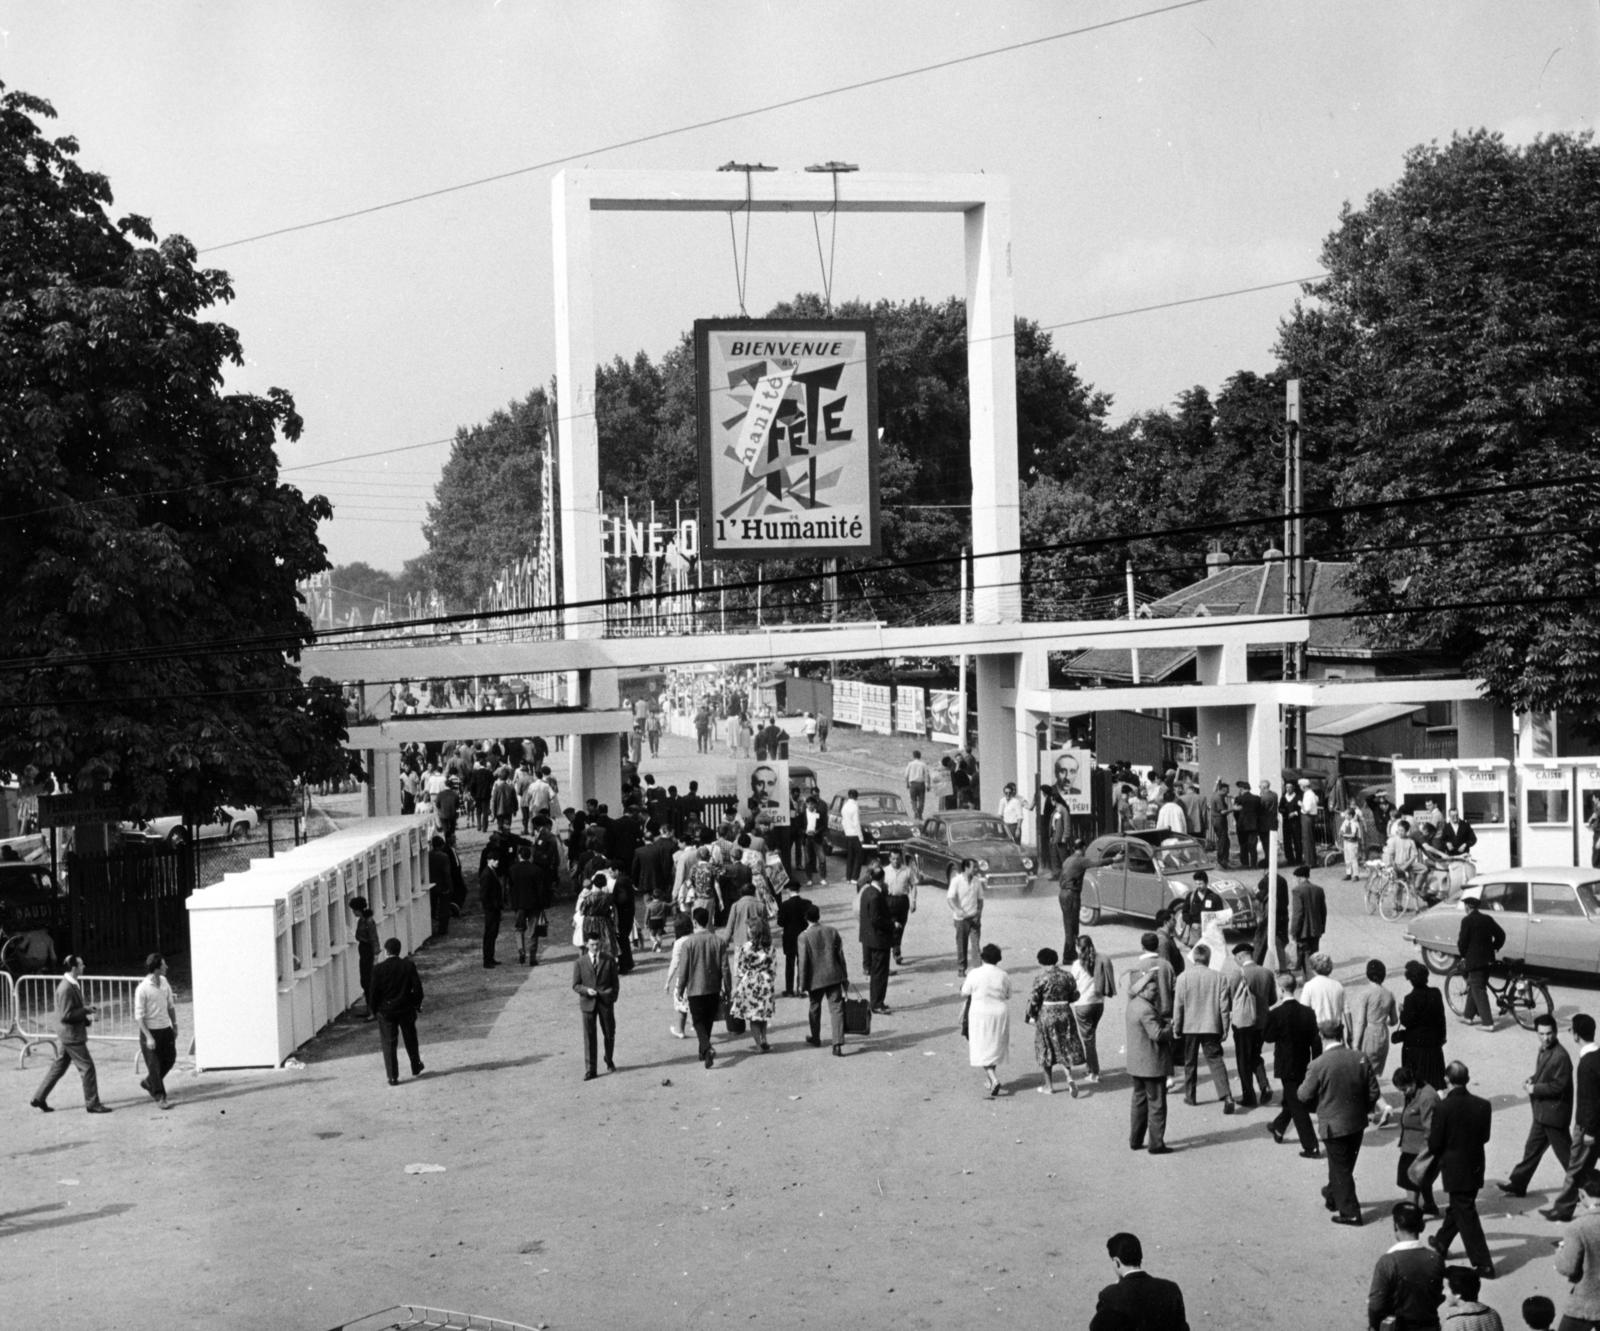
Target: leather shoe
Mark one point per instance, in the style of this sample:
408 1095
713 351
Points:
815 1041
1228 1107
96 1108
1510 1191
41 1106
1160 1150
1346 1219
590 1076
838 1051
610 1066
884 1011
1442 1249
1550 1213
1266 1097
1277 1135
1310 1155
418 1070
394 1081
1486 1272
1190 1100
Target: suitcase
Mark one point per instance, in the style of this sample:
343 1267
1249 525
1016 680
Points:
857 1016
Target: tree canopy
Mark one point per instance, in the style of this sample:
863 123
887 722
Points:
149 621
1455 343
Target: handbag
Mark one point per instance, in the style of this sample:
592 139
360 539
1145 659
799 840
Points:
857 1014
541 926
1420 1169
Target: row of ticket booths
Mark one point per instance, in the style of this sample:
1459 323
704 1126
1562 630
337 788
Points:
1534 811
273 947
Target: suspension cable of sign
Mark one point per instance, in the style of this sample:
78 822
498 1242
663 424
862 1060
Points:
741 279
833 169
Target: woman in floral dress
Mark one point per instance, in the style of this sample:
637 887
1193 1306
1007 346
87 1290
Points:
754 989
1055 1029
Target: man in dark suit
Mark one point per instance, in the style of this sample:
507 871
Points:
1280 890
1550 1099
1247 822
823 975
1289 818
1460 1132
700 980
1291 1030
877 939
72 1048
1269 821
595 981
397 998
1479 939
1344 1089
1137 1299
1308 916
1456 837
792 922
492 897
1585 1124
1219 808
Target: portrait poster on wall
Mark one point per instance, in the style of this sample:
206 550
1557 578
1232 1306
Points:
1068 770
788 417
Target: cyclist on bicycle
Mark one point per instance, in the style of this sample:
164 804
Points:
1400 853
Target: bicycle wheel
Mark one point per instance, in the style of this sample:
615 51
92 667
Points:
1374 890
1528 1000
1455 992
1392 904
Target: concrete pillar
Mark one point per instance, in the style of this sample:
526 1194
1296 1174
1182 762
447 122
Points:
1238 744
383 782
997 727
1483 730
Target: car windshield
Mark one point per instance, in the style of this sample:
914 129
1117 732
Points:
974 829
881 804
1180 859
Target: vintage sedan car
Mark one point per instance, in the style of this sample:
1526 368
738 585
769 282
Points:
947 838
225 822
1551 919
1140 873
885 820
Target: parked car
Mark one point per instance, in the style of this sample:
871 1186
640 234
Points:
225 822
885 820
1551 919
33 905
1140 873
947 838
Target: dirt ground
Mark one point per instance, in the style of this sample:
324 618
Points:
790 1189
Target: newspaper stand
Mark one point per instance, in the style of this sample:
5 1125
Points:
273 947
1483 794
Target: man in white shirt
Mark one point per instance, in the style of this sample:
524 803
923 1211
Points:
1323 994
850 826
1012 807
1171 818
917 782
965 896
1401 854
541 795
1310 808
157 1013
900 884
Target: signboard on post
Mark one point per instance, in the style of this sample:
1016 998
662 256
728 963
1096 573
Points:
788 415
84 806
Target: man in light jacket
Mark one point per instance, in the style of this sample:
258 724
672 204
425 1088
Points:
1201 1005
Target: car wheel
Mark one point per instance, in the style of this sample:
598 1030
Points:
1088 915
1438 962
239 831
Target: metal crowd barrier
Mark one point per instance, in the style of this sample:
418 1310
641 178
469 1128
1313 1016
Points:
28 1010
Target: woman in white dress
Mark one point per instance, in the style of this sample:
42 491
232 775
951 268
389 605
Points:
988 1017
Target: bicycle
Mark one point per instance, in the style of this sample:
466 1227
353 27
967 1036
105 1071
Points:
1400 897
1515 991
1380 878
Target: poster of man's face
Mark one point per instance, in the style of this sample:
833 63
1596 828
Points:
765 782
1068 770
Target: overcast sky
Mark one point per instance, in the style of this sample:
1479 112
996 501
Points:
1178 154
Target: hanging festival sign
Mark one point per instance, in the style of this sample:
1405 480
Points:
788 437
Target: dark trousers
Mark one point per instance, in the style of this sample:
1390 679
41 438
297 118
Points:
439 901
1252 1067
491 931
1248 842
969 932
1088 1019
1071 899
1581 1159
69 1055
1308 838
1148 1112
703 1013
1294 1110
401 1026
1340 1193
875 961
1221 834
816 857
625 940
1211 1046
834 994
605 1016
364 962
1291 839
852 858
1304 949
160 1049
900 913
919 797
1461 1217
1541 1135
1478 996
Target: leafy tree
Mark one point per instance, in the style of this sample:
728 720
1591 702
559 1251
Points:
1457 344
485 511
149 621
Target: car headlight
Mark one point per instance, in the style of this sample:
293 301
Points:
983 866
1027 863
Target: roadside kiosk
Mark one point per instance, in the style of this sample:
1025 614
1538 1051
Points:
1548 825
1483 794
273 947
1418 780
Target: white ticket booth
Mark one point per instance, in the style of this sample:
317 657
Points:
1419 782
1548 822
1483 794
273 947
1586 809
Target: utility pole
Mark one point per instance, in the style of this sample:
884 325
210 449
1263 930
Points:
1294 567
